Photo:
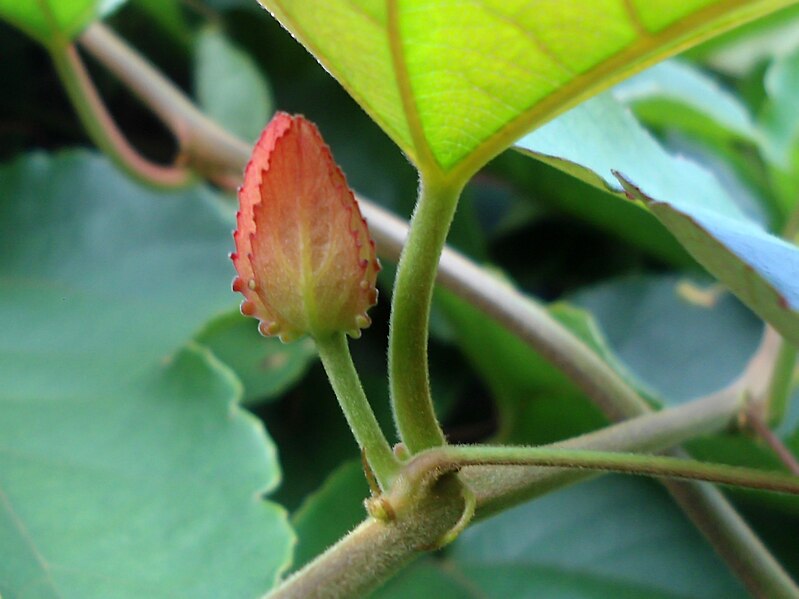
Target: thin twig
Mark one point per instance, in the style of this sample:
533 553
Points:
428 466
756 424
209 147
101 126
396 543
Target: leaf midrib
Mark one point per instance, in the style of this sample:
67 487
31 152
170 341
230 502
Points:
426 161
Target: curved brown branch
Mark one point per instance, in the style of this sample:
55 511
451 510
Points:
101 126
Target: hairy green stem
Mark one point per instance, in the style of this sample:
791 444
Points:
779 389
650 432
441 460
335 355
758 426
101 127
376 550
410 313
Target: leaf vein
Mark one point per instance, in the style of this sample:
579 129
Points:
25 535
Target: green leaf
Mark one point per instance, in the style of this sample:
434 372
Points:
428 577
536 403
779 128
674 94
265 366
168 15
685 338
779 119
230 87
450 80
681 337
126 467
698 117
116 277
793 442
612 537
741 51
542 185
48 20
599 138
147 490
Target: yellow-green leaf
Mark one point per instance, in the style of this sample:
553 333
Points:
454 83
46 20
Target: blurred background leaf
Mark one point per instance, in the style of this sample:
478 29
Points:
675 94
599 139
126 467
779 127
266 367
230 87
667 329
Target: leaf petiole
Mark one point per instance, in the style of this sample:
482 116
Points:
430 465
410 313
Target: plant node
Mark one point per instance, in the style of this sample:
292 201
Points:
379 508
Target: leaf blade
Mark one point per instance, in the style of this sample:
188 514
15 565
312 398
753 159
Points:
454 83
724 237
48 20
229 86
123 454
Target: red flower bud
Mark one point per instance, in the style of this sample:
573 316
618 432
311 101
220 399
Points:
304 257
